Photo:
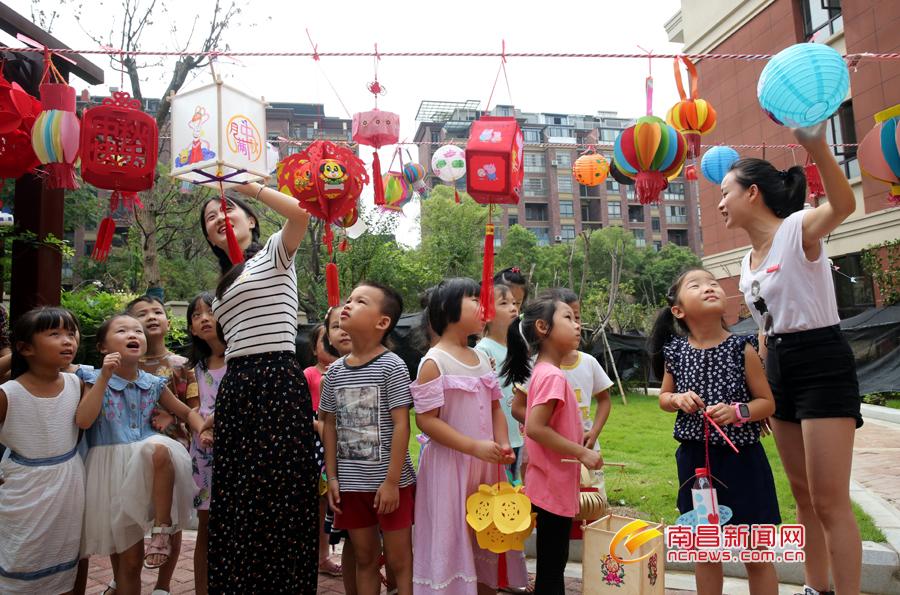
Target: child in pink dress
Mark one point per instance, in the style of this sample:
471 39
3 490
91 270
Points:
456 397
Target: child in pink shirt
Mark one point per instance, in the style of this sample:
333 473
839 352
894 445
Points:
553 430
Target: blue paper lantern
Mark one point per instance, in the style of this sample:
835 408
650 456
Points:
716 162
803 84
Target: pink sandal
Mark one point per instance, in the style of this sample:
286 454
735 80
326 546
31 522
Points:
160 545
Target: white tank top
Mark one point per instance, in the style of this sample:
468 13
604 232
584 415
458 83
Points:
786 292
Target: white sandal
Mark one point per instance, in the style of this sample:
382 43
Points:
160 545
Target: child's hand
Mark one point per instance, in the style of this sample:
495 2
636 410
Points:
162 419
509 455
591 459
488 451
209 422
811 135
387 498
589 439
722 414
206 438
334 495
110 363
689 402
765 427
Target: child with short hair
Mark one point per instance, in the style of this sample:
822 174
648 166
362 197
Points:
365 405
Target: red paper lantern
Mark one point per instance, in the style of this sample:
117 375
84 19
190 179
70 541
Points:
494 159
377 129
119 151
18 111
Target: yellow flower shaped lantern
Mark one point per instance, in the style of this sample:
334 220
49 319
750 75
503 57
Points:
501 516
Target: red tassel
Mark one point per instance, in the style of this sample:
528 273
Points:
332 285
487 275
648 185
456 195
344 245
814 181
61 175
104 239
690 172
328 239
502 574
235 254
376 178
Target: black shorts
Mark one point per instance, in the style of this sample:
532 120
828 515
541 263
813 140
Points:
813 375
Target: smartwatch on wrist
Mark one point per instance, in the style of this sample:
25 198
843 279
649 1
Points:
743 413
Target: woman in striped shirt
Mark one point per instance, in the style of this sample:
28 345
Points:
264 510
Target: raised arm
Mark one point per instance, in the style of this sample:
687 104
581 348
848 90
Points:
287 206
92 401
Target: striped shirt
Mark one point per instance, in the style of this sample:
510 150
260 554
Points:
258 312
361 399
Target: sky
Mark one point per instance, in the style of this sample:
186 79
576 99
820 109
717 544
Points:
577 86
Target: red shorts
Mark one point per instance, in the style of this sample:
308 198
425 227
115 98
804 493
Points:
359 511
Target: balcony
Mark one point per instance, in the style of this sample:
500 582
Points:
677 219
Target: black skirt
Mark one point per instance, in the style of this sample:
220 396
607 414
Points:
263 521
751 488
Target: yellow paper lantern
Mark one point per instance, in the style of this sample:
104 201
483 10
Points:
501 517
512 509
591 169
480 507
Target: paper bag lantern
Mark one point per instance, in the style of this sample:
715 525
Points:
218 135
879 152
651 151
716 162
55 135
494 161
604 574
803 84
376 128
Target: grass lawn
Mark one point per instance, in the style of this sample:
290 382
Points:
640 435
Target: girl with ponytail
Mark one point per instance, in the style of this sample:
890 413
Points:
787 282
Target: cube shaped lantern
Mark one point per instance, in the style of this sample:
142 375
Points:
494 161
218 135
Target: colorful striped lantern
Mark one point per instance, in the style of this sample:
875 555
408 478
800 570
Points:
716 162
803 85
692 116
415 175
55 136
879 152
397 191
651 151
591 169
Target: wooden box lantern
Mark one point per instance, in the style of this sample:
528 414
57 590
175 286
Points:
638 572
494 161
218 135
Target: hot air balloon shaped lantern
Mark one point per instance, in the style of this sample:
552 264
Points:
650 152
119 149
494 160
415 175
879 152
716 162
449 164
803 84
18 111
55 134
376 128
219 138
692 116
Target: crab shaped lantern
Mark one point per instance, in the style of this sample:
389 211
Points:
650 152
879 152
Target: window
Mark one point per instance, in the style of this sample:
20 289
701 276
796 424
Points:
567 232
513 220
566 208
535 163
498 237
614 209
435 136
654 223
564 184
822 16
678 237
559 131
657 245
536 212
852 287
635 214
535 187
532 135
608 135
842 130
585 211
503 110
675 191
542 234
629 192
563 159
676 214
612 186
639 240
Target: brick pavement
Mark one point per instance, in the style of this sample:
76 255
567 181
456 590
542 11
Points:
875 453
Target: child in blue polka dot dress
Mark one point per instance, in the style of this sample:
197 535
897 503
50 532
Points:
704 368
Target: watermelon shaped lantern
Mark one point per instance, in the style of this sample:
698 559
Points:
494 159
376 129
119 149
879 152
650 152
55 135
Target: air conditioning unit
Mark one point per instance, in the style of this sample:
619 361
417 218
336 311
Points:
554 163
557 239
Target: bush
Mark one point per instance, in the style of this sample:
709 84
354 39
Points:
881 398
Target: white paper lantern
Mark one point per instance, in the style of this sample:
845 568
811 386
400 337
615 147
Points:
449 163
218 134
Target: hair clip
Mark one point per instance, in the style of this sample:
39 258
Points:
782 174
515 270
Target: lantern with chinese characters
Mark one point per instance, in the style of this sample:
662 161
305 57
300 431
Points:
219 138
692 116
55 135
119 148
651 152
879 152
449 164
415 175
494 159
376 128
803 85
716 162
591 169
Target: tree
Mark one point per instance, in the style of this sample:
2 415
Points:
518 249
660 269
452 235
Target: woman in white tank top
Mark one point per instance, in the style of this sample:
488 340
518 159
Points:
787 283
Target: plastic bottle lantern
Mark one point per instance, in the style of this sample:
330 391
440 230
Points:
692 116
879 152
18 111
55 135
716 162
591 169
803 84
494 159
415 175
119 150
651 151
449 164
376 129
